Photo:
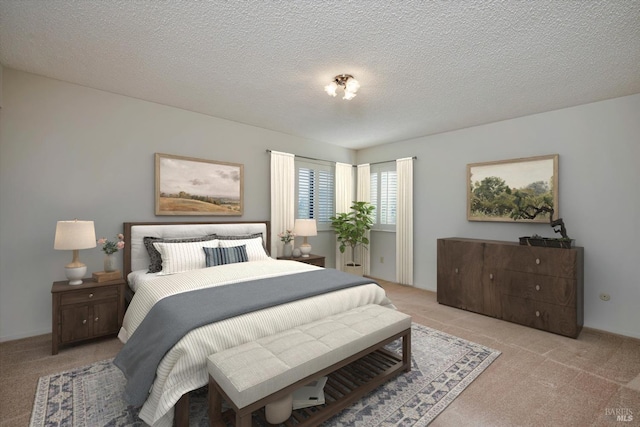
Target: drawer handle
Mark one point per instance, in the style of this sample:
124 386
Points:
538 261
84 322
537 287
491 276
90 295
97 319
456 271
537 313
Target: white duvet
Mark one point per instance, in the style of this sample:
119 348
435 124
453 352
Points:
184 367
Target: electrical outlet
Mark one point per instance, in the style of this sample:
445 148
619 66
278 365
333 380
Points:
605 297
381 260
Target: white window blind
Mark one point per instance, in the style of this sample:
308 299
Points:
315 192
384 186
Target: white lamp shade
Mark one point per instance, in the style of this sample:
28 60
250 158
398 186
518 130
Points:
305 227
71 235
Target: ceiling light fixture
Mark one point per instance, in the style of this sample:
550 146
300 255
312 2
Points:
347 82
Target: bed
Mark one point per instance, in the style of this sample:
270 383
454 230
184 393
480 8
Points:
183 367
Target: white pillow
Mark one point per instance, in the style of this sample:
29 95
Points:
255 250
179 257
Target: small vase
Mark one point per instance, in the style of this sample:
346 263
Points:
287 250
109 263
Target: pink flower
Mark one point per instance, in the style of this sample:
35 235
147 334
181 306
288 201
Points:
110 247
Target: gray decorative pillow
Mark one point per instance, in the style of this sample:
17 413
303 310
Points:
240 237
155 264
221 256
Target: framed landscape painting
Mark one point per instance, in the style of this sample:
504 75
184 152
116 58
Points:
495 188
190 186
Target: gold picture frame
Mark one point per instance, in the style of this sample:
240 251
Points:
191 186
492 187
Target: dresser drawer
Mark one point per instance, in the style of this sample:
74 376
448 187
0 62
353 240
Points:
553 290
88 295
547 261
549 317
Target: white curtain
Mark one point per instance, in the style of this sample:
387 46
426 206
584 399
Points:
364 195
344 199
283 188
404 222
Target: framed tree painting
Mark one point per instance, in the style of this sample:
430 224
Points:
190 186
494 189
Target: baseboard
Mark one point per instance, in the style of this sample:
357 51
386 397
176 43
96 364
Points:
25 335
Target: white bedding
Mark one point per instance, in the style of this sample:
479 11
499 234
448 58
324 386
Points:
136 278
184 367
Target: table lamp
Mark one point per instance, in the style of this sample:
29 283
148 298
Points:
305 227
75 235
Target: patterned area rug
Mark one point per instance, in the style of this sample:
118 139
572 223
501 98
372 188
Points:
442 367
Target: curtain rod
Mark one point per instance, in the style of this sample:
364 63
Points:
333 161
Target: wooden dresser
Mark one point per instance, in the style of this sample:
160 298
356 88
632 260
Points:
533 286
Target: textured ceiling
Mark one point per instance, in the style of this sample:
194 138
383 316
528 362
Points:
425 67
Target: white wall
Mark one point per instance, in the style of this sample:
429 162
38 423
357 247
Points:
67 151
599 172
1 68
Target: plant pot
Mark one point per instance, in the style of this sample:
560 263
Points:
546 242
357 269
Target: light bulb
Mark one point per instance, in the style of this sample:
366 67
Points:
348 95
331 88
352 85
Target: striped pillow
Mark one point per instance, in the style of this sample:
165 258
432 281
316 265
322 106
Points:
221 256
255 250
179 257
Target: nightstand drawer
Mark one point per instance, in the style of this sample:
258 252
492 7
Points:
314 261
311 259
88 295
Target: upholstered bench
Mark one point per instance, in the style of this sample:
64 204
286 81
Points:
265 371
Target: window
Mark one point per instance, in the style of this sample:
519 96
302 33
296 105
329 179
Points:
315 192
384 184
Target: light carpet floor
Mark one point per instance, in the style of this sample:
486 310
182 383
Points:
442 367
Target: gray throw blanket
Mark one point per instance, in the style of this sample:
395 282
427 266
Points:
173 317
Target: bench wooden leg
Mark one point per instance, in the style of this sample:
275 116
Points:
215 404
406 351
181 412
243 420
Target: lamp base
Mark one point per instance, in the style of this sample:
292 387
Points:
305 249
75 274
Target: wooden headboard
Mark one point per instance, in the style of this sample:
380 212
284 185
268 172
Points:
182 229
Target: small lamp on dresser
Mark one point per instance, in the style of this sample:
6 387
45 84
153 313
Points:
305 227
75 235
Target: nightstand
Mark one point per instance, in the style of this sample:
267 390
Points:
86 311
311 259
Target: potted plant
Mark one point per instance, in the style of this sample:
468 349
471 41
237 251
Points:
351 231
529 211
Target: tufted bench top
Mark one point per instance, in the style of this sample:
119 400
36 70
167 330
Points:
254 370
